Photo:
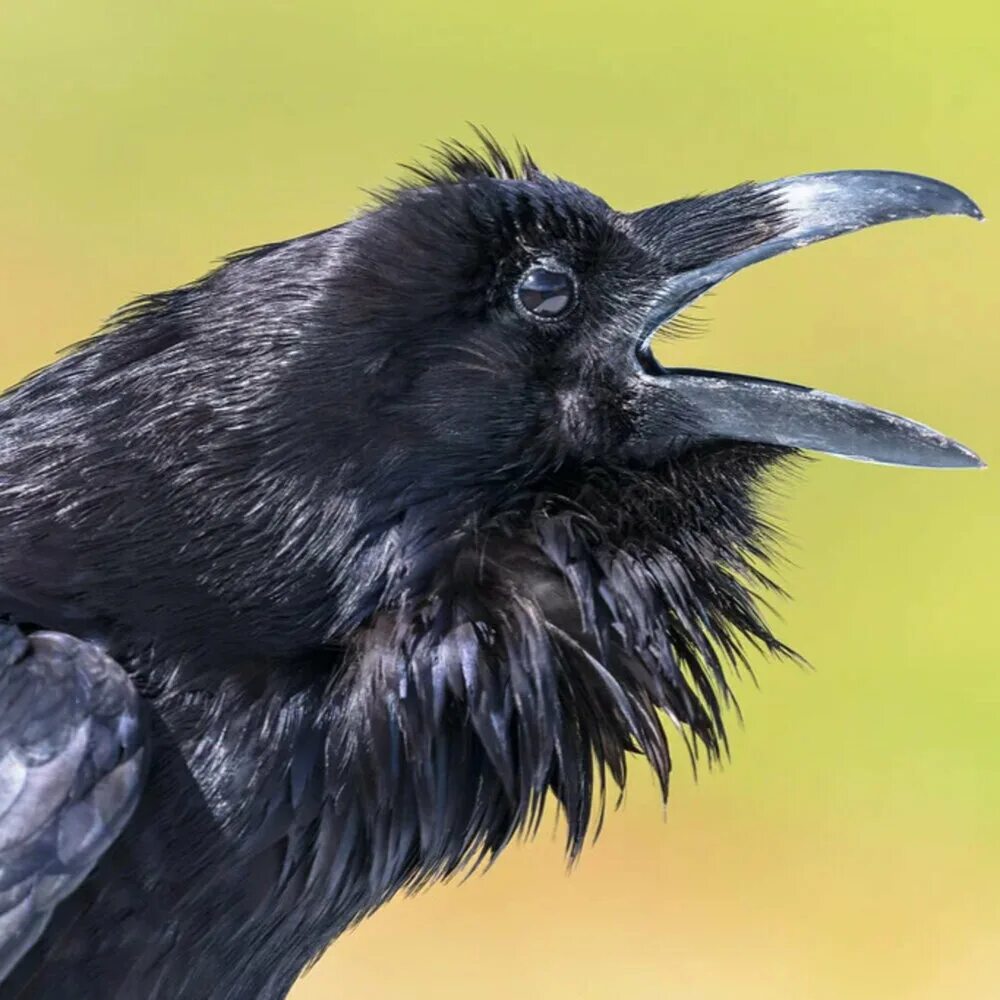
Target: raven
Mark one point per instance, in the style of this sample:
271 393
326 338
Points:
321 574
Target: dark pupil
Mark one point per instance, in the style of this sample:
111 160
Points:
544 292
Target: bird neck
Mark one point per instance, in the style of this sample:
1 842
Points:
547 651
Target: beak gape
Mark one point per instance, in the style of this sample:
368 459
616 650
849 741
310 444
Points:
683 406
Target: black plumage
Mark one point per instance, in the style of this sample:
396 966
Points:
393 551
73 753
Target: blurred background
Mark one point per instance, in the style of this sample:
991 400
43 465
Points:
852 847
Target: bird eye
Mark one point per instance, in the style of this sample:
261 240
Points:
545 293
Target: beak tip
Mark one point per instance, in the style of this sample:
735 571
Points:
966 458
973 211
963 204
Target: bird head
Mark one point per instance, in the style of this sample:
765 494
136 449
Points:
505 318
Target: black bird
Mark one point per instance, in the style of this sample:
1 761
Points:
319 575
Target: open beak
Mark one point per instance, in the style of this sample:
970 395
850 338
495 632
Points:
738 228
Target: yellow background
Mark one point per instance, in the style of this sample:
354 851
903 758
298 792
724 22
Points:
851 848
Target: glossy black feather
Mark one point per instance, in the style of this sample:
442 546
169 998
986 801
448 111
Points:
377 558
72 753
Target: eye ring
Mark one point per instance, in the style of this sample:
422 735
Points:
546 292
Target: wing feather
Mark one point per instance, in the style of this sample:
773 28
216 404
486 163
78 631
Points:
72 763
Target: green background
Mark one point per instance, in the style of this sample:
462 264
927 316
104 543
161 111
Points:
851 847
